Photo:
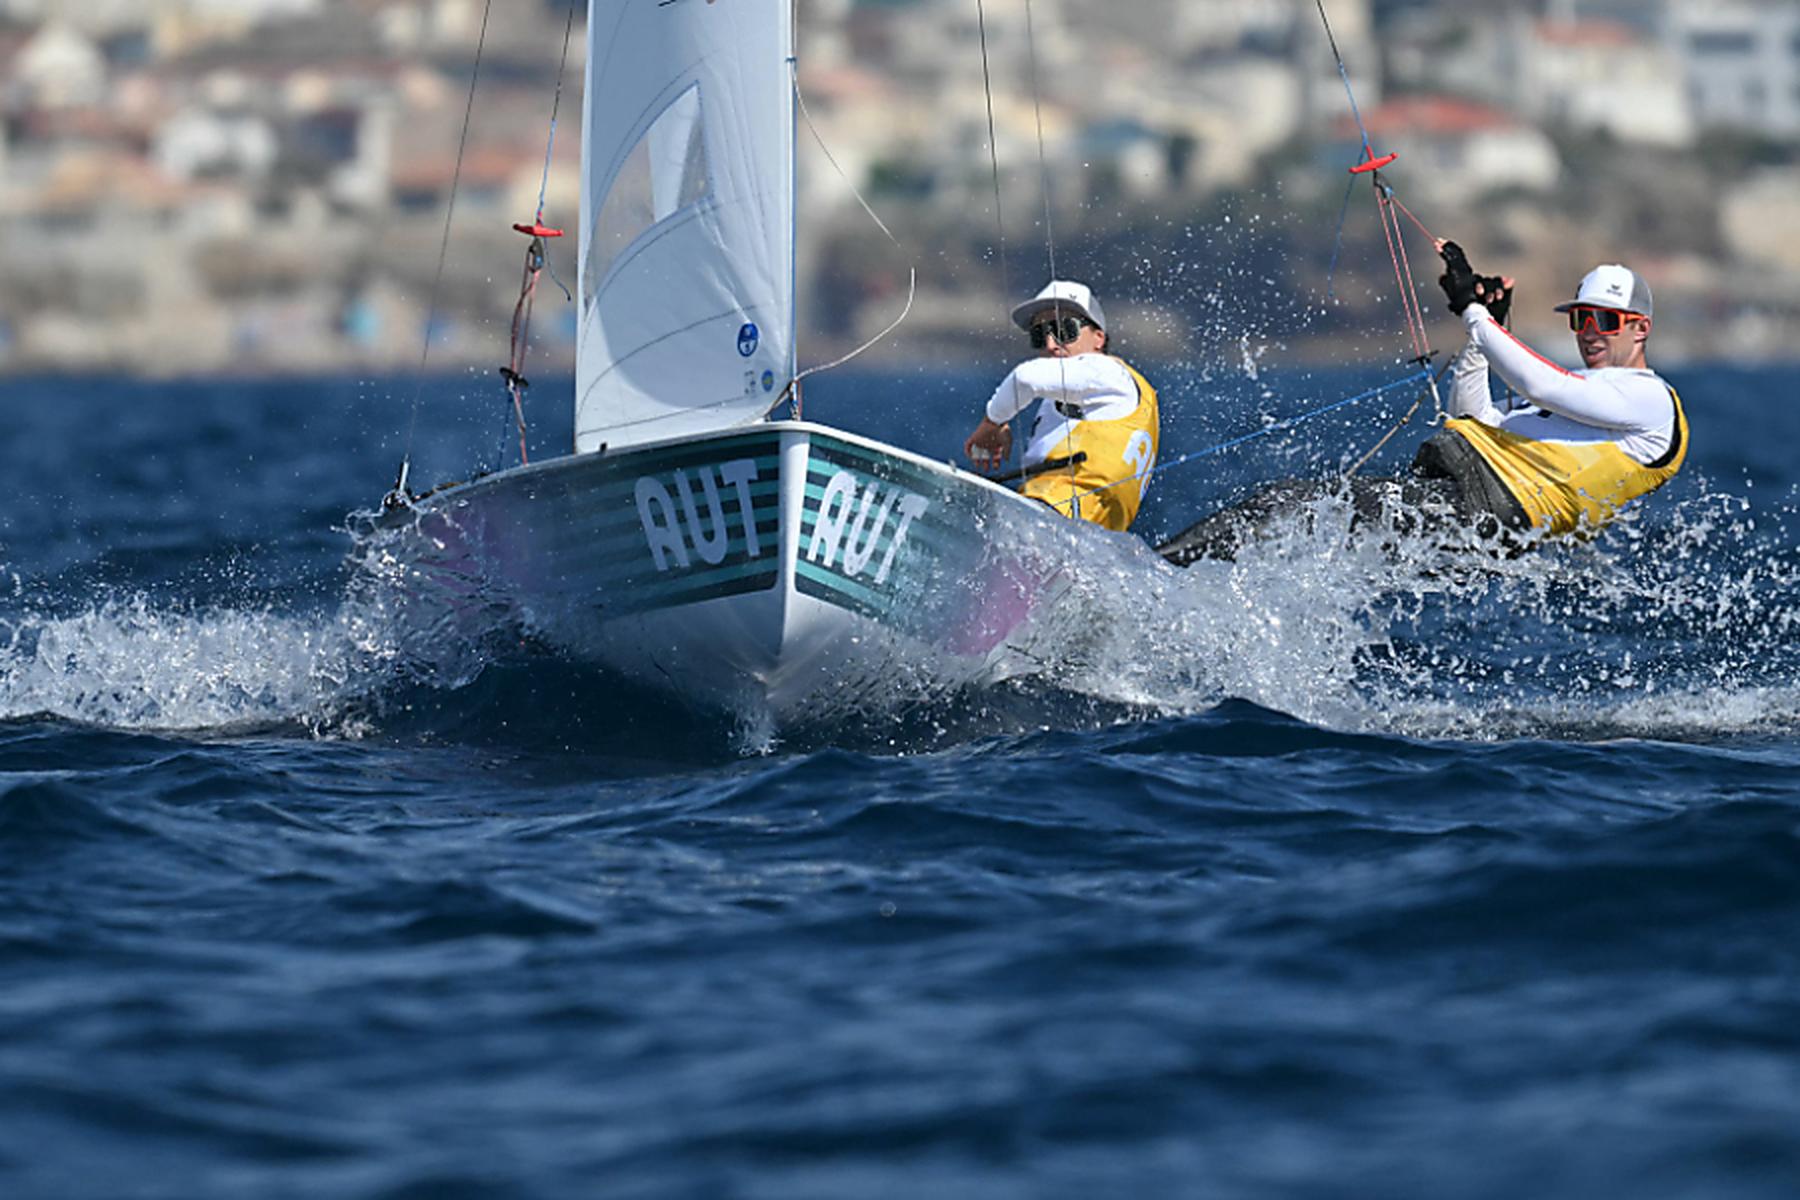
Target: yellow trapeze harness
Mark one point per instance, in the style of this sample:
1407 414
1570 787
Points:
1109 484
1569 486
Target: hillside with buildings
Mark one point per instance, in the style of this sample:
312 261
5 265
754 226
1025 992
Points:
192 186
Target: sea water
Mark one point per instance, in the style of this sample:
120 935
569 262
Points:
1339 870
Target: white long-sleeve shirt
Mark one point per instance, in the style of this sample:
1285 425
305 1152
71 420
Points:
1087 387
1630 407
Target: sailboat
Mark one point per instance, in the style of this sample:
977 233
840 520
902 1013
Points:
689 540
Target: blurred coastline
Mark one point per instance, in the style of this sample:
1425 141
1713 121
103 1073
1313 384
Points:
193 187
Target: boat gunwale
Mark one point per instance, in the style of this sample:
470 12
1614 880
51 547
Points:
549 468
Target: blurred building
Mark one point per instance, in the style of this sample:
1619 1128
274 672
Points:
1601 76
1742 61
1453 152
266 183
58 67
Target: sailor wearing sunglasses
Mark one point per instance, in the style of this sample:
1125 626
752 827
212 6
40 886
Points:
1577 446
1094 440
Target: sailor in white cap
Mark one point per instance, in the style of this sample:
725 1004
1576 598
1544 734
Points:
1093 443
1565 456
1576 446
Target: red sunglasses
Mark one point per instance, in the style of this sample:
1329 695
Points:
1605 321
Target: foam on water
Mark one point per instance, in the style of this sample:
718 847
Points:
1678 628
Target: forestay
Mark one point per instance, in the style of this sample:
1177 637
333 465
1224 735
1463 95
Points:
687 228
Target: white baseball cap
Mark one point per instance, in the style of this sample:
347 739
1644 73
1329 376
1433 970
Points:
1063 294
1612 286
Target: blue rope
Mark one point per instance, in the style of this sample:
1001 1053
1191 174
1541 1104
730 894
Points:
557 280
1337 245
1344 74
1418 376
550 147
1423 374
544 182
555 111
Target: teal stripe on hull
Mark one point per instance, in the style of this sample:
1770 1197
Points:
617 549
620 496
629 552
714 586
669 458
928 538
873 461
609 541
810 579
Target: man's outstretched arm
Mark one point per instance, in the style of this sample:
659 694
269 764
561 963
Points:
1615 400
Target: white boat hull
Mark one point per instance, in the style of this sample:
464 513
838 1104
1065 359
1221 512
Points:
782 569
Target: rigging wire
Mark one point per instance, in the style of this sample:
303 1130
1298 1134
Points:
1429 236
912 270
987 88
1390 209
1388 206
1430 389
562 67
536 259
1409 293
1385 202
513 373
1419 375
399 493
1337 245
1344 74
1037 104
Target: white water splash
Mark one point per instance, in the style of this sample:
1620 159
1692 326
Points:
127 664
1682 630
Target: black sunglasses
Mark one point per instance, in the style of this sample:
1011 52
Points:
1064 329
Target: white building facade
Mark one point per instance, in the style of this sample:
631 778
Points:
1742 62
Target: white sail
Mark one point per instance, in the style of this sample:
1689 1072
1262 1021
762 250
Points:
687 218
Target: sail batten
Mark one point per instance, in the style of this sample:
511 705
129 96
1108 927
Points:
686 252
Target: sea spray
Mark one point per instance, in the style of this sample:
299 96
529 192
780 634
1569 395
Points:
127 662
1675 624
1666 623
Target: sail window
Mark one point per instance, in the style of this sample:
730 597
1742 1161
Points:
663 173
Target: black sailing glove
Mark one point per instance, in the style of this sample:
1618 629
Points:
1491 290
1458 279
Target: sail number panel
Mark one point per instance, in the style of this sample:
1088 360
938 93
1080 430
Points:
710 521
865 528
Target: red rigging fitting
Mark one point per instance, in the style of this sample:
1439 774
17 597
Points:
1371 163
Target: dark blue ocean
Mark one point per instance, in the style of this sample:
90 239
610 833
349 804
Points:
1338 871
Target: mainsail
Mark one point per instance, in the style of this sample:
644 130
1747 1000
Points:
687 218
